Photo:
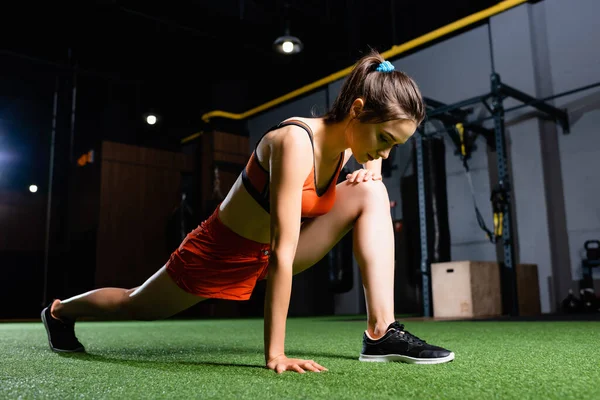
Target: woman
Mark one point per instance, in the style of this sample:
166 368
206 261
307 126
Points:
283 214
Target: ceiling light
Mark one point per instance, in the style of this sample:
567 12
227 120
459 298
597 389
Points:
151 119
287 44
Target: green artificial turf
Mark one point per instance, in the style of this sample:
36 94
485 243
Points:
224 359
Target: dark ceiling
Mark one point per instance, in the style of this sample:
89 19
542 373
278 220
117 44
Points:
191 57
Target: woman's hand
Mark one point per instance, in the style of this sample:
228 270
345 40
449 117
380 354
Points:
363 175
281 363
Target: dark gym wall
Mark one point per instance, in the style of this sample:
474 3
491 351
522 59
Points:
541 49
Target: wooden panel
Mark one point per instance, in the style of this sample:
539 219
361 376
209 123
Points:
528 290
230 148
231 158
148 157
230 154
485 289
230 143
136 201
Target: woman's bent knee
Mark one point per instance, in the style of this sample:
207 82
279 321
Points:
370 191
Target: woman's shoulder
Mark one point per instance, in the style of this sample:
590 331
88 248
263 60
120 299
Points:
287 139
290 137
310 123
294 134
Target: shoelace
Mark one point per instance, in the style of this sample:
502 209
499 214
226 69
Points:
410 338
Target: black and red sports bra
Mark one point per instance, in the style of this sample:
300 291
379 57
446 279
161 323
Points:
315 202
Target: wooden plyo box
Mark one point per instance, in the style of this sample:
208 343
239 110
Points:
467 289
528 290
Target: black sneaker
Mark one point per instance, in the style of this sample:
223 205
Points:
400 345
61 335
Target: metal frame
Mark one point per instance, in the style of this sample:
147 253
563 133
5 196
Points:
452 114
458 116
425 264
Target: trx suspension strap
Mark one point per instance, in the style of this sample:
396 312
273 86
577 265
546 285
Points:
497 198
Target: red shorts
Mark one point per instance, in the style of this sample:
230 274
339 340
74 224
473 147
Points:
215 262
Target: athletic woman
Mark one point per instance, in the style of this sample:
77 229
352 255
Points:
284 214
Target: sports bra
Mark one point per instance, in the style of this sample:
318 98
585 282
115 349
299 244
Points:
315 202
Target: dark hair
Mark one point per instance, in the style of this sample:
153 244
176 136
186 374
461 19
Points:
387 95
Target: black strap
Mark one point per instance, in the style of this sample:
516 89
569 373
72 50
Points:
480 220
261 197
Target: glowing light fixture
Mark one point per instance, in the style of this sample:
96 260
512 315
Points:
151 119
288 44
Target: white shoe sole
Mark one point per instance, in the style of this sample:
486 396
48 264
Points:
405 359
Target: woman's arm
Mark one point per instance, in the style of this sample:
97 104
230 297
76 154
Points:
289 167
290 163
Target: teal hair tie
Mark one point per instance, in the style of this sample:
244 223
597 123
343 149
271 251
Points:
385 66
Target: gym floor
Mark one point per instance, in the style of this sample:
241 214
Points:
223 358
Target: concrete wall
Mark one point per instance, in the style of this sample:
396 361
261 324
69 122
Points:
573 36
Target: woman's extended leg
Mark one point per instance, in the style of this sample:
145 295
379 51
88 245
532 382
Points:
157 298
365 207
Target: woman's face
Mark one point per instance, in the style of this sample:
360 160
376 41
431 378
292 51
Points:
369 142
